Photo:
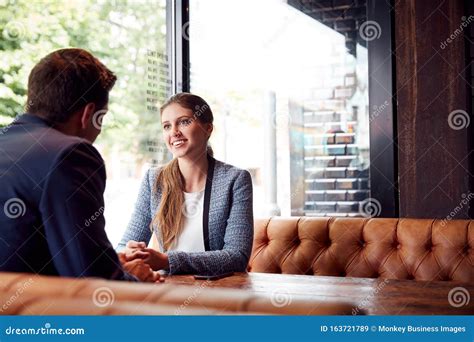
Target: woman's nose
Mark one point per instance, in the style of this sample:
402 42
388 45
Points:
175 131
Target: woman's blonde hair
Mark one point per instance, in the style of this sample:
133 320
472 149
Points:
170 217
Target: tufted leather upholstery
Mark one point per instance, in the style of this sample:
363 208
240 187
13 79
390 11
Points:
418 249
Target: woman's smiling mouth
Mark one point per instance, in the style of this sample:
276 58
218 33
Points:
178 143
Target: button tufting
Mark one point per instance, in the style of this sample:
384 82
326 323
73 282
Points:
401 248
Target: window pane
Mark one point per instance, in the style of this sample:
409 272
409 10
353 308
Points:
299 69
130 38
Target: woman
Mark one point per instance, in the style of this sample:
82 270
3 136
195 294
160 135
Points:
198 208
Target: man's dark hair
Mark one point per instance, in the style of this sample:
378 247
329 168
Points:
65 81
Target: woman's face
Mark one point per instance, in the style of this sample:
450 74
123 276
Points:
183 134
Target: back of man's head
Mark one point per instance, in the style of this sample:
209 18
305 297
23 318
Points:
65 81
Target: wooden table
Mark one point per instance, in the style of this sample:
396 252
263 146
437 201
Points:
369 296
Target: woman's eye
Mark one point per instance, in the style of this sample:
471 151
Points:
166 127
185 122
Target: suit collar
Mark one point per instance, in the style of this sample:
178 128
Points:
31 119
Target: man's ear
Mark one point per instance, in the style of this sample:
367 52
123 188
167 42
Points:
87 114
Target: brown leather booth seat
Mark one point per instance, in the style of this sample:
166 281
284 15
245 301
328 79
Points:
418 249
28 304
30 294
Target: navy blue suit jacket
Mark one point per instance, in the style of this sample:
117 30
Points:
51 204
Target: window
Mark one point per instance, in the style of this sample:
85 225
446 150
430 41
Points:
130 37
288 83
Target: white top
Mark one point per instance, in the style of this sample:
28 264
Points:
191 238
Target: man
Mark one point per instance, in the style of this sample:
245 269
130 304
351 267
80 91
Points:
52 179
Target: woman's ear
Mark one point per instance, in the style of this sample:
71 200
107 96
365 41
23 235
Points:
210 128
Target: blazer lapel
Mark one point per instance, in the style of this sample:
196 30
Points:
207 201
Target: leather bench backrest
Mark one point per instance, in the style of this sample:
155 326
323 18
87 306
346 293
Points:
418 249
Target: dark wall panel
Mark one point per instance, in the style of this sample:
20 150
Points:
432 81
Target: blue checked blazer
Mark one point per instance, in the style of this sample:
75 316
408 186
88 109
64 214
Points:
227 221
51 204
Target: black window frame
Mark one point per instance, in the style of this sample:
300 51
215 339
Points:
383 127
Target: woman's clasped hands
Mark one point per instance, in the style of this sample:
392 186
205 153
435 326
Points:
139 251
